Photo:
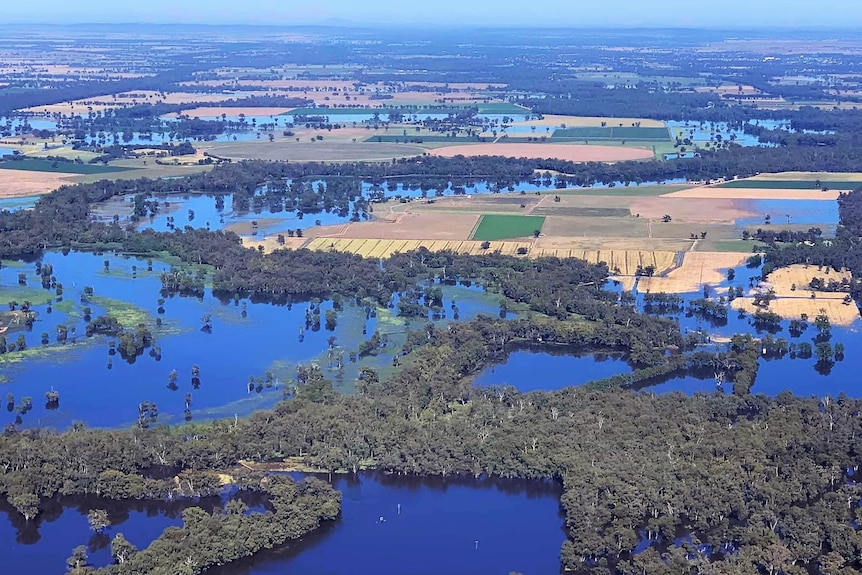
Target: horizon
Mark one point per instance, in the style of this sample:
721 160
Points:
666 14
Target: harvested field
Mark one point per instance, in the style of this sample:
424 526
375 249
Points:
270 243
710 192
313 152
626 262
607 227
20 183
569 152
691 210
611 243
504 227
373 248
792 184
406 226
793 308
782 280
697 269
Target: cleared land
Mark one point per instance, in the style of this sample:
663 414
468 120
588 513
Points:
697 269
811 176
20 183
817 185
313 152
504 227
406 226
569 152
838 312
712 192
625 261
792 303
39 165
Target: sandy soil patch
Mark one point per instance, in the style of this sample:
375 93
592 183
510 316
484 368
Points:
697 269
270 243
708 192
838 312
408 226
572 153
589 121
21 183
693 210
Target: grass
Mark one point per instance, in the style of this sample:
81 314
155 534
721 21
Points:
20 294
633 190
501 227
612 133
789 185
728 246
39 165
129 315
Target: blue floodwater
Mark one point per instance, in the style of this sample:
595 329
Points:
43 546
102 397
800 212
706 131
6 152
22 203
207 216
452 526
537 371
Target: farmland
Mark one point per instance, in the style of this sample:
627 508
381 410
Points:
612 133
502 227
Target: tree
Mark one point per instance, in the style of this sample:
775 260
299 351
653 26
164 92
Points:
666 218
77 563
98 520
121 549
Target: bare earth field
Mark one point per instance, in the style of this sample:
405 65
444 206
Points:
692 210
572 153
313 152
407 226
792 303
793 308
697 268
20 183
707 192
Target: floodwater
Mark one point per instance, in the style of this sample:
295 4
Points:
394 525
533 370
103 396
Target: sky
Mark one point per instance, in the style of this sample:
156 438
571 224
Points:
604 13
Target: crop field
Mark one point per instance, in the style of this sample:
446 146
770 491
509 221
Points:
624 262
790 184
503 227
369 248
38 165
613 133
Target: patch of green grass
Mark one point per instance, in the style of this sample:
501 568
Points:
129 315
503 227
789 185
38 165
632 190
612 133
21 294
